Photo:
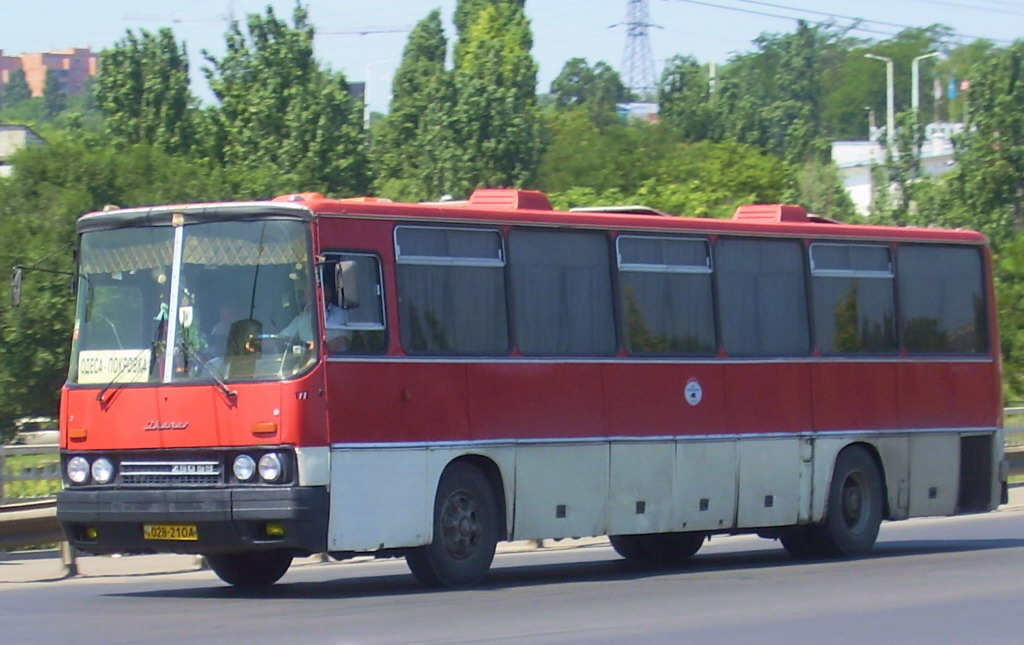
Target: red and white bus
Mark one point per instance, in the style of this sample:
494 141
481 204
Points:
256 381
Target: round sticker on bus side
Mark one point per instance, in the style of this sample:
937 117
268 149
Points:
693 392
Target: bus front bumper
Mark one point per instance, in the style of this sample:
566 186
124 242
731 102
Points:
199 521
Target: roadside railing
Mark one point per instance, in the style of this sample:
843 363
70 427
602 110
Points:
29 473
29 479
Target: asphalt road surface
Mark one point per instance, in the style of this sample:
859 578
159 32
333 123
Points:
936 581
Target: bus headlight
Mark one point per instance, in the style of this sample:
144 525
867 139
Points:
102 470
244 468
270 467
78 470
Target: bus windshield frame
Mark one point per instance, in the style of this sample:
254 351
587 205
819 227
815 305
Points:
229 299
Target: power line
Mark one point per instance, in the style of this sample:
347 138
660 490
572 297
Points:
855 18
854 27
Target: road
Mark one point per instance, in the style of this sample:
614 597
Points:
934 581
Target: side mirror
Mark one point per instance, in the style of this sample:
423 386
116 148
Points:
16 276
346 282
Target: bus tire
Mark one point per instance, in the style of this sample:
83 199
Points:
465 531
803 543
853 512
630 547
251 569
674 548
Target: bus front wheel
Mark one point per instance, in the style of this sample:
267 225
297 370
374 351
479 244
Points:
465 531
251 569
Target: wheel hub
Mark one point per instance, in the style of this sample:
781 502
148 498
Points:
460 526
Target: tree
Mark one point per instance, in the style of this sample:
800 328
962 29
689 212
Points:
496 121
16 90
597 88
985 191
685 100
280 111
54 97
143 91
403 163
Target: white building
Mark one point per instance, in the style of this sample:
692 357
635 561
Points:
12 139
855 158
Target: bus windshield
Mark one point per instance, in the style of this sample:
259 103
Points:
223 300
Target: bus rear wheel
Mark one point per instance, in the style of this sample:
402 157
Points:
251 569
465 531
853 512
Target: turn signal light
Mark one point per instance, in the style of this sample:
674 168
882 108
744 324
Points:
274 529
264 427
77 434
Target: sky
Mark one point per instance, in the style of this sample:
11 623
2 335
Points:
369 35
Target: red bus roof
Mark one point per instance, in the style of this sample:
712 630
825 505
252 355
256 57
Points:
511 207
516 207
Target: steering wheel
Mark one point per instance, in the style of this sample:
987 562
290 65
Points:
274 343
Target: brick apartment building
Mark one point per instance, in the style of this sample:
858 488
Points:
73 67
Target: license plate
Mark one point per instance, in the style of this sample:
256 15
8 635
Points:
186 532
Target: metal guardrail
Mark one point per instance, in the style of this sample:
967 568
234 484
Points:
24 480
28 514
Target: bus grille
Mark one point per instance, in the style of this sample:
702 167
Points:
170 473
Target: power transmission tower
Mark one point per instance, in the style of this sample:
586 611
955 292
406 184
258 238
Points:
638 58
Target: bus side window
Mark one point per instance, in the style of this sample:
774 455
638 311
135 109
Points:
354 291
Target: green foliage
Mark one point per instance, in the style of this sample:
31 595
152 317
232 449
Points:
143 91
989 181
54 98
686 103
1009 278
422 93
596 88
16 90
702 179
495 123
281 112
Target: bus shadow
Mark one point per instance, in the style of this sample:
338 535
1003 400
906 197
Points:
506 576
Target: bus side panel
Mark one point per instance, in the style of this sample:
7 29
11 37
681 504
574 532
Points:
934 474
535 400
852 395
769 482
379 498
645 400
948 395
561 490
771 397
384 497
641 488
383 402
705 494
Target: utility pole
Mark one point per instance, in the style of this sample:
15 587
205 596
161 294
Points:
638 59
890 104
915 82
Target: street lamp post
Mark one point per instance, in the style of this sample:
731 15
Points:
890 102
915 97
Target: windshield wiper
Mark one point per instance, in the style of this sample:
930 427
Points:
99 395
221 385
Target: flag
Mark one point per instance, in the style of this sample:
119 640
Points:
951 88
965 85
936 90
